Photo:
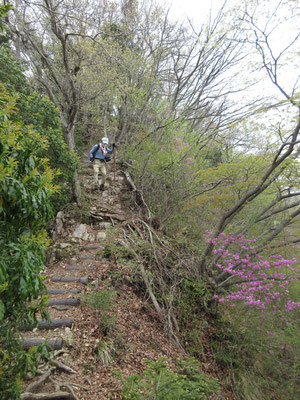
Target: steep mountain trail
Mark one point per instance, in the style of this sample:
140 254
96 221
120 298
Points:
118 331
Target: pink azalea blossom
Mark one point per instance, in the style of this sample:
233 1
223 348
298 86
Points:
264 281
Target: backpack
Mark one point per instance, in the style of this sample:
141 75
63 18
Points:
107 157
94 152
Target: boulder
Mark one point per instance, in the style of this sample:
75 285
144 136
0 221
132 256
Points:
81 232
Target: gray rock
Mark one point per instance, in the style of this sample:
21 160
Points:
59 223
95 283
104 224
101 235
65 245
50 256
69 337
81 232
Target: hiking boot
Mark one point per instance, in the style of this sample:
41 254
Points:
102 187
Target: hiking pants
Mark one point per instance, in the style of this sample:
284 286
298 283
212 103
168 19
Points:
98 165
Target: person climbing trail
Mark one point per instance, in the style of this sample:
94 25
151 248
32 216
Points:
99 156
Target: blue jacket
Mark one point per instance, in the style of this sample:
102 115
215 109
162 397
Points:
99 154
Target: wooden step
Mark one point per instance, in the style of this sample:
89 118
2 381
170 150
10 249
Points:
47 396
94 258
83 280
53 344
93 246
63 302
80 268
61 291
55 323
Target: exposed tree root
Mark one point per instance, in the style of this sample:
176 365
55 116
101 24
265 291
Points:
58 394
42 379
164 310
48 396
71 390
62 366
72 384
139 198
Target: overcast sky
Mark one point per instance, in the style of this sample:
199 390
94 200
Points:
197 11
193 9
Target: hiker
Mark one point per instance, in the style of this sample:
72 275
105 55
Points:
100 155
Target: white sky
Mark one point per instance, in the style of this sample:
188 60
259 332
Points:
198 10
193 9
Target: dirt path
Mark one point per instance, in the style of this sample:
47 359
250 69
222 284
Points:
119 331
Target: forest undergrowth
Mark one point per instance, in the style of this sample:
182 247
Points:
253 357
204 116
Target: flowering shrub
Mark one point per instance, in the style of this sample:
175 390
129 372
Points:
260 280
180 145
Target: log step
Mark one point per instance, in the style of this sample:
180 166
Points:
83 280
47 396
55 323
93 247
96 257
54 344
63 302
80 268
61 291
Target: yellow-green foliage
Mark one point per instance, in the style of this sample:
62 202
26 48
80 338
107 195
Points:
41 115
26 185
225 184
233 178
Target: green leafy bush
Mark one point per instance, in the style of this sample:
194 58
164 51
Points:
26 185
41 114
102 301
159 383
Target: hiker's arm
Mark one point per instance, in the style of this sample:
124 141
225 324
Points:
91 152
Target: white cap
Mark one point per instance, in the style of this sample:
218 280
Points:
104 140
